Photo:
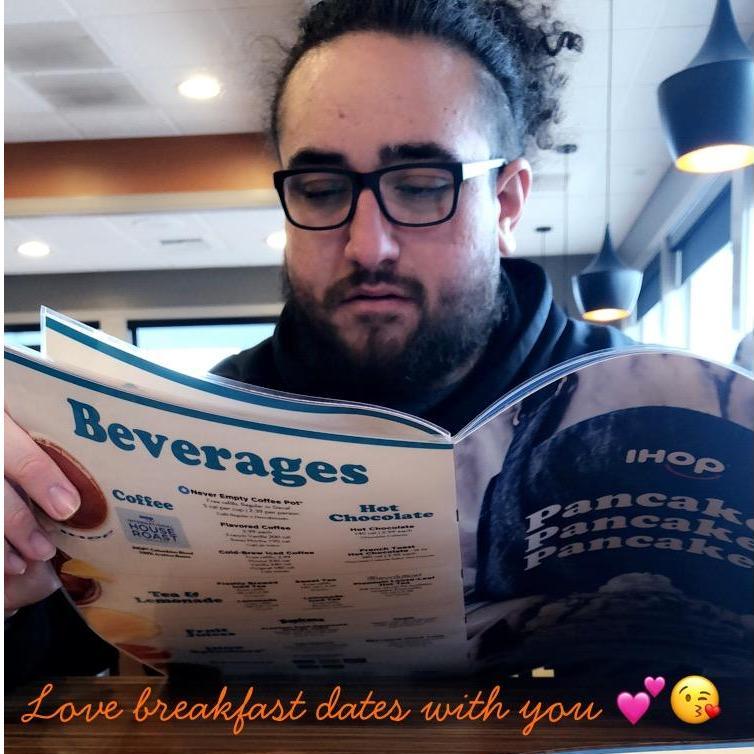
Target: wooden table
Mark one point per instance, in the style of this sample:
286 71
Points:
413 735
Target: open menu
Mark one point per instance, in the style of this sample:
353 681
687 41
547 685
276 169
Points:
260 532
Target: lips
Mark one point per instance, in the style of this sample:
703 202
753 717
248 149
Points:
376 293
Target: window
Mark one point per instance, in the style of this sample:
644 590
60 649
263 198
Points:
29 335
699 314
675 321
195 346
651 325
710 311
23 335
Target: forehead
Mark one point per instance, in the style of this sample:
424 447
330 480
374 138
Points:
365 91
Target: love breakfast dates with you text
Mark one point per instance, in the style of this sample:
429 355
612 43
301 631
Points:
483 707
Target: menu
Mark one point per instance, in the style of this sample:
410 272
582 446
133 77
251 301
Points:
258 532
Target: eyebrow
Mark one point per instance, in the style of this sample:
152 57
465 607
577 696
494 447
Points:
388 154
427 150
305 158
680 691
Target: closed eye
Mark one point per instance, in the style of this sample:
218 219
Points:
322 193
418 194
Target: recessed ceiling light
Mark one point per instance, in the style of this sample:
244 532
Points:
200 86
276 240
33 249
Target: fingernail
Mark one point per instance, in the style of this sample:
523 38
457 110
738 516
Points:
14 564
63 501
43 548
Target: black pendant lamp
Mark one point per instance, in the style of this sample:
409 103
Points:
707 109
606 290
566 150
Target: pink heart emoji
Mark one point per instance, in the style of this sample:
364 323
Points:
633 707
654 685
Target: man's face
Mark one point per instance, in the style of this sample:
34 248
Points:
363 102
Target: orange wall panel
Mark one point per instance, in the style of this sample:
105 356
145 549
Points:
107 167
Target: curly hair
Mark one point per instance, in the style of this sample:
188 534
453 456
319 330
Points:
515 41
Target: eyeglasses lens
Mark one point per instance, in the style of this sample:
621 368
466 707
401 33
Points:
318 200
413 196
416 196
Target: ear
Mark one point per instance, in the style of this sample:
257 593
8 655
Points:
513 186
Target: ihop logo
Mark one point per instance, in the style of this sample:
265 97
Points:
679 462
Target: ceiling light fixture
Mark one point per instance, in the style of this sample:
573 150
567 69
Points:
543 230
606 290
276 240
34 249
707 109
200 86
565 150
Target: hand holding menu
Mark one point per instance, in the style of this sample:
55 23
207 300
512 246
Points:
600 505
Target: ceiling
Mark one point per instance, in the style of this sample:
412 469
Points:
98 69
153 241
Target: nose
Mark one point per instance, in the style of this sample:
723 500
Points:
371 240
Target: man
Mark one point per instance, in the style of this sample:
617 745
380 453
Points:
401 128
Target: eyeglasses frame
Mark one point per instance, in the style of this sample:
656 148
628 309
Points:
461 172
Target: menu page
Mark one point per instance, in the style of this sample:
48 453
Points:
210 539
70 343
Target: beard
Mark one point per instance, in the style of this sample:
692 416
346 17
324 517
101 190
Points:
393 371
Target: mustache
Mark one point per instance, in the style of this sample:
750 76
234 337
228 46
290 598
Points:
343 289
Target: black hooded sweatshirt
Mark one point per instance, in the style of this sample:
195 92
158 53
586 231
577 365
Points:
48 639
537 335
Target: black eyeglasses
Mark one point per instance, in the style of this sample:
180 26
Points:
413 194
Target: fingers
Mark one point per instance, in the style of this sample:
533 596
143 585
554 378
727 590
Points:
30 471
29 467
22 531
39 581
15 565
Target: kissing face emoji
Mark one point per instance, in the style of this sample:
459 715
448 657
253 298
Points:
694 699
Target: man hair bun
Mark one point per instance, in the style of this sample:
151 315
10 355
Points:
535 38
516 41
